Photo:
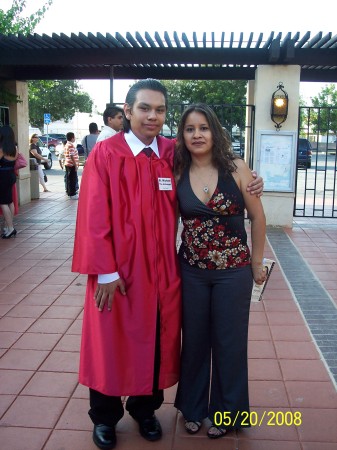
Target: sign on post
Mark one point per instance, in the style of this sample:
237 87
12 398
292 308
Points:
46 117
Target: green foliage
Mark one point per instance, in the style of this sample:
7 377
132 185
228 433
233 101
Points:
209 91
212 92
59 98
323 117
12 22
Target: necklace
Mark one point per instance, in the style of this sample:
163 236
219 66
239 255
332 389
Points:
206 185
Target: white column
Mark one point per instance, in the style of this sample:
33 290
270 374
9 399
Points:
278 206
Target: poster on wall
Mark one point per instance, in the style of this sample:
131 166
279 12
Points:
276 162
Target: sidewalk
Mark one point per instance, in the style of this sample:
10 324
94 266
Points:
292 342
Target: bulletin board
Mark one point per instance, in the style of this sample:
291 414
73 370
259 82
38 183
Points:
276 151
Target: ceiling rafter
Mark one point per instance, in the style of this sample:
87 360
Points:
177 56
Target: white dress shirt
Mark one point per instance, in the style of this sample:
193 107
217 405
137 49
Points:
106 133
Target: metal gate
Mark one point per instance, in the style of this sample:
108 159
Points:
316 188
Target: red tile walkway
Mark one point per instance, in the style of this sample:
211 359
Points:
43 407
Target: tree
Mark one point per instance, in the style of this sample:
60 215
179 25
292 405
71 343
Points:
209 91
213 92
324 114
12 22
59 98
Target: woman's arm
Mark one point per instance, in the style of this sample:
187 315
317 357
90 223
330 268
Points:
37 156
256 215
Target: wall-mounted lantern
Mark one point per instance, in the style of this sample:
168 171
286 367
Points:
279 106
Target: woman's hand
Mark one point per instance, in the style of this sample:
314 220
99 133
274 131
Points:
259 273
105 293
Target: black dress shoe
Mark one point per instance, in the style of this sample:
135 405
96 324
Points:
150 428
104 436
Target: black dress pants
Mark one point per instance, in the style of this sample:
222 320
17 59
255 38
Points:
214 366
71 180
108 410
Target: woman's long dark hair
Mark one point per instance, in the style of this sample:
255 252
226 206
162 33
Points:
7 141
222 154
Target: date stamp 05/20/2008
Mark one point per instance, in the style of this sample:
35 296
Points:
255 419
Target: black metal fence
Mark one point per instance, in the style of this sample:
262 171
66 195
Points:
316 188
4 115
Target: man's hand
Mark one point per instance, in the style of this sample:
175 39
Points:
255 187
105 293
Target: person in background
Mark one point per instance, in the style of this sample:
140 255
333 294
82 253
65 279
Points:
36 153
113 122
217 272
125 241
71 166
59 151
8 155
89 140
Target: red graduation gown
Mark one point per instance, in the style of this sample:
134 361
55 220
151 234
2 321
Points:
126 224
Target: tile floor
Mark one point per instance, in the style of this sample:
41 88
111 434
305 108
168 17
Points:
42 406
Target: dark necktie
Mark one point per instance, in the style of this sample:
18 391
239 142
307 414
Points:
148 151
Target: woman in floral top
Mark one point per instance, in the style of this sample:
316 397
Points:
217 269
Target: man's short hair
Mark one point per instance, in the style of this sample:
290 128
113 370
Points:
93 128
111 111
70 136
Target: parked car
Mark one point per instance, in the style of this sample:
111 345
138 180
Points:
59 136
53 140
238 147
52 143
304 152
46 154
167 132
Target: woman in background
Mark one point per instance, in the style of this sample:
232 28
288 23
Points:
36 153
8 155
